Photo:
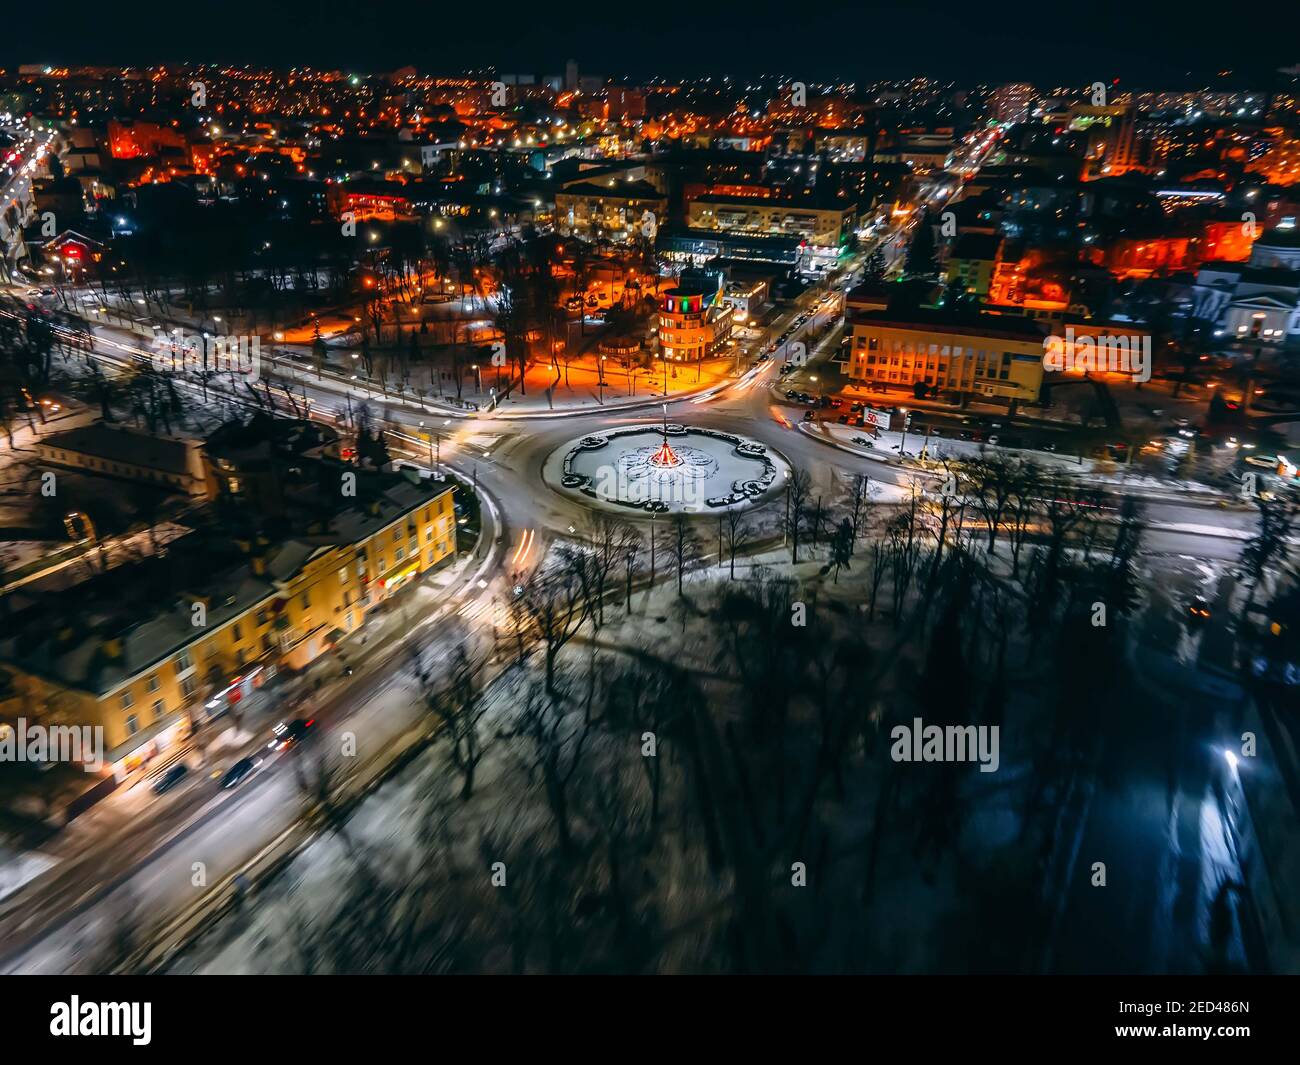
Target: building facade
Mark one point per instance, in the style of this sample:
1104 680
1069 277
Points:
989 358
694 322
147 676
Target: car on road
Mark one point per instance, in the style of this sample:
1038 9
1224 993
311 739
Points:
843 419
288 733
808 415
238 772
170 777
1198 610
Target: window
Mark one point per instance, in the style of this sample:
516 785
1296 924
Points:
183 662
237 632
128 700
153 682
428 535
266 641
305 600
381 563
132 724
397 535
159 710
261 617
350 621
343 575
188 687
873 343
400 555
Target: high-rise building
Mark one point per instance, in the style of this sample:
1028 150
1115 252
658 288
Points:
1011 103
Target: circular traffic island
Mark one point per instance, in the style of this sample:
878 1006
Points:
666 469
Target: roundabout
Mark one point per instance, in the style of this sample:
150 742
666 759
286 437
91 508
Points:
665 468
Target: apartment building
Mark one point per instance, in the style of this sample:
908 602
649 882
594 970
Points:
125 652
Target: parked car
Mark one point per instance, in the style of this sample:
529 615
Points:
170 777
843 419
808 415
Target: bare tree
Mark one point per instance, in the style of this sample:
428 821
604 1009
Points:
554 601
797 490
683 545
736 535
458 707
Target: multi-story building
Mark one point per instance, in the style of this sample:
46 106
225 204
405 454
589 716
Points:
958 356
823 227
124 651
695 322
973 261
612 211
117 452
1011 103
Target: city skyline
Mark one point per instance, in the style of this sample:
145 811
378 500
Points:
1144 47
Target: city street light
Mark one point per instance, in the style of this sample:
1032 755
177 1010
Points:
902 447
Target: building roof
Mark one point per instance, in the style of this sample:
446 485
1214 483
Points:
620 190
115 444
1280 238
801 203
97 635
1000 327
982 246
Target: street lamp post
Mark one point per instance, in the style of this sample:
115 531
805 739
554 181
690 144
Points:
902 447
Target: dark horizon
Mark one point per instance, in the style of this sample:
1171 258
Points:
937 39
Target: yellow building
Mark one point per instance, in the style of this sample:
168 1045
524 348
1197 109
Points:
143 664
985 357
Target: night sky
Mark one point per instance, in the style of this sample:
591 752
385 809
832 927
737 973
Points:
1050 42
